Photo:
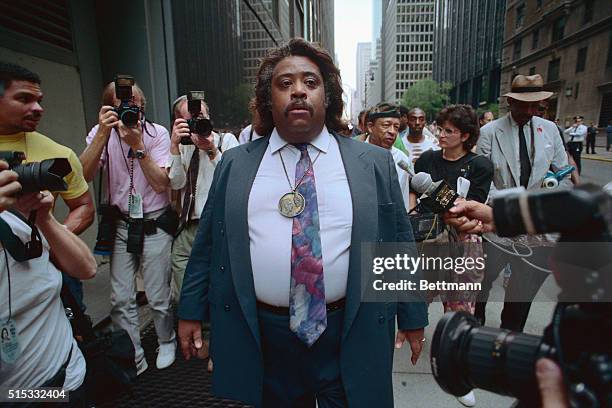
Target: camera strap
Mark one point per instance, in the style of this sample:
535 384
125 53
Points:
20 251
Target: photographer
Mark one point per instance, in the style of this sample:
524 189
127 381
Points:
38 349
138 220
190 170
20 113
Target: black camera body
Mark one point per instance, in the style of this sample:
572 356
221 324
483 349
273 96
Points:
465 355
128 113
38 176
197 124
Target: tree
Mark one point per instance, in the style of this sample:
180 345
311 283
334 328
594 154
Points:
428 95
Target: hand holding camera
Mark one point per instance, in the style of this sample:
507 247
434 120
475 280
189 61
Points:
132 136
107 120
9 186
41 202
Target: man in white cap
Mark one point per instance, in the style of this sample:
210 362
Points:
523 148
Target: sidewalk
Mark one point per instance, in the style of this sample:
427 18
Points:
187 383
600 150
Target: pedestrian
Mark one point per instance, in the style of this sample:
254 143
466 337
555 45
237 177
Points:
523 148
277 257
591 136
577 135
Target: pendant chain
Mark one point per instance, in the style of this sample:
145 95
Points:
293 189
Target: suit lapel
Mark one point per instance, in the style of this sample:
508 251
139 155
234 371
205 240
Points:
506 144
362 184
242 174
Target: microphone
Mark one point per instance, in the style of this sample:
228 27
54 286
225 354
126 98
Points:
406 167
439 196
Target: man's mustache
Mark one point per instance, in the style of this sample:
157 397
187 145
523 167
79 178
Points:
299 105
34 117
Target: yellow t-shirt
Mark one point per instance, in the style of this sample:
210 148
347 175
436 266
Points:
38 147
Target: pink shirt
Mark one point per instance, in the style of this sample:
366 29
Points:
157 147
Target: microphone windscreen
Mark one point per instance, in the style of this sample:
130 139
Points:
421 182
406 167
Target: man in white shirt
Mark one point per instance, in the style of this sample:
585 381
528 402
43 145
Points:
417 138
190 172
577 134
277 257
247 135
383 123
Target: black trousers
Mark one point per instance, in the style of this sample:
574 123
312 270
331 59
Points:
524 284
575 150
295 376
590 142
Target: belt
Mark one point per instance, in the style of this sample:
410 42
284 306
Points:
284 311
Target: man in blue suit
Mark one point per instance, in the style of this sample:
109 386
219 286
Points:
276 262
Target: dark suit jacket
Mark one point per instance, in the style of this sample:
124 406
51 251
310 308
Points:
219 278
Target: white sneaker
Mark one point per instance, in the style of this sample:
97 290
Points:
469 399
166 355
141 366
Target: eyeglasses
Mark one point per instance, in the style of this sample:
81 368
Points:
450 131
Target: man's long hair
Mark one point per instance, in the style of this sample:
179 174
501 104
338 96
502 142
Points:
261 105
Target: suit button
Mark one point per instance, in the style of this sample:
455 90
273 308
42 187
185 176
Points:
381 319
222 232
227 308
222 268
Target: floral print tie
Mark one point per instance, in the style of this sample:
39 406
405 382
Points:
307 309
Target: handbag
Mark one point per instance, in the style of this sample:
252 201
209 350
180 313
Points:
109 355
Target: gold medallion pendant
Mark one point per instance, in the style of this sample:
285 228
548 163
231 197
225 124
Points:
291 204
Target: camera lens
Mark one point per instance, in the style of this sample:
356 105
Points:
465 355
129 116
45 175
202 127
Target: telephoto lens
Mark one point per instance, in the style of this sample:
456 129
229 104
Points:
465 355
45 175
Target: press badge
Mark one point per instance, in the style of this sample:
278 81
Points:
9 342
135 206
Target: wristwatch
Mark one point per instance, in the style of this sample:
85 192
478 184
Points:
140 154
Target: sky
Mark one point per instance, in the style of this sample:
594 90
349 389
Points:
353 24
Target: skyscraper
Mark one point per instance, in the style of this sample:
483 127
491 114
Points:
407 43
364 52
467 48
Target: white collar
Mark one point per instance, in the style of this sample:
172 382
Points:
321 142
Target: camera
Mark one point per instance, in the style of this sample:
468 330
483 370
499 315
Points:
128 113
197 124
465 355
107 227
38 176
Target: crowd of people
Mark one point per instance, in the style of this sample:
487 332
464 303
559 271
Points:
257 238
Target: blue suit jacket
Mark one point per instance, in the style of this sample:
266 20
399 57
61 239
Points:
219 278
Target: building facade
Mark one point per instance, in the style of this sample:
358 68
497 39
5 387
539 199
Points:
407 34
570 44
468 47
362 66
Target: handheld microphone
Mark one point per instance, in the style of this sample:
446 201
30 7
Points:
439 196
406 167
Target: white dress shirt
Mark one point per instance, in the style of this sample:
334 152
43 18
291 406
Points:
246 136
403 176
576 133
270 232
179 164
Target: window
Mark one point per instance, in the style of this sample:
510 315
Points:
581 59
577 88
517 49
539 4
532 71
558 29
553 69
520 15
588 12
535 40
